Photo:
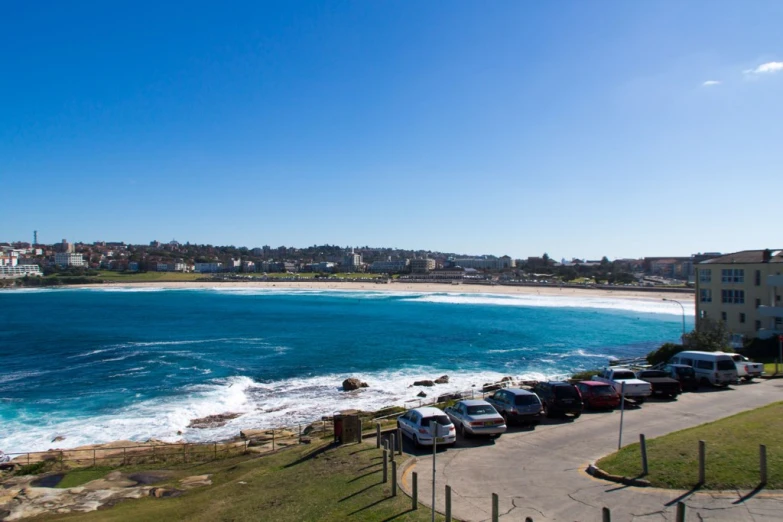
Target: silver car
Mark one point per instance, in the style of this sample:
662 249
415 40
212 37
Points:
476 417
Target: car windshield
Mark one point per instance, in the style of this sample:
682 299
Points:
726 365
443 420
686 372
483 409
623 375
603 390
565 392
525 400
653 373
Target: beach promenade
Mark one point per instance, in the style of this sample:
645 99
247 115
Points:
541 473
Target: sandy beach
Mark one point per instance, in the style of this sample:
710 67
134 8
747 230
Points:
554 291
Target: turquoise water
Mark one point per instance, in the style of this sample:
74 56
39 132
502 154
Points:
96 365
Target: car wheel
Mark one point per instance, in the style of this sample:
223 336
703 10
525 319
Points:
546 411
577 414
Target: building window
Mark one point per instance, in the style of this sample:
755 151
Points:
723 316
732 296
758 303
758 278
705 295
733 275
758 325
742 318
702 314
705 275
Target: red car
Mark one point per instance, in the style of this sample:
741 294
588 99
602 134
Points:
597 395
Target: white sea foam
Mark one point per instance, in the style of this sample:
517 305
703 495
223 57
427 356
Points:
286 402
634 305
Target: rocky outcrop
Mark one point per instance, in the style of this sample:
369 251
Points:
213 421
352 383
424 383
507 378
443 379
490 386
421 394
58 438
449 397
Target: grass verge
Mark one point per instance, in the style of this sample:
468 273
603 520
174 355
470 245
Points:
308 482
732 453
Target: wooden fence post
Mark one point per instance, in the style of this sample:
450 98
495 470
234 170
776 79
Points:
394 477
495 510
414 491
385 465
448 503
702 464
763 463
680 512
399 441
377 435
606 515
643 447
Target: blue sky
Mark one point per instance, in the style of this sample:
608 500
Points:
574 128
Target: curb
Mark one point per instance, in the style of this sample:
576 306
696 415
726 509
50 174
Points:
597 472
409 463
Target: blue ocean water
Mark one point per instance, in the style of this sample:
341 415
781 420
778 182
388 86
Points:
102 364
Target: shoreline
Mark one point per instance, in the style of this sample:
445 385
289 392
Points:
404 287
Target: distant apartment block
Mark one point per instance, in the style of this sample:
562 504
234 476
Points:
390 267
744 291
66 259
488 263
205 268
422 266
323 266
8 271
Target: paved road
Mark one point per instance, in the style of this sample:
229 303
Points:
540 473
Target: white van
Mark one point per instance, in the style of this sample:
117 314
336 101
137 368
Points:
716 368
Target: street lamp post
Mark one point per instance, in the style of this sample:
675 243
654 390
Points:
683 315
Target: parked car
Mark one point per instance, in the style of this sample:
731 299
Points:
418 424
746 369
684 374
716 368
625 382
598 395
517 405
662 384
559 398
476 417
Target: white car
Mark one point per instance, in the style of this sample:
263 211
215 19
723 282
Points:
418 424
476 417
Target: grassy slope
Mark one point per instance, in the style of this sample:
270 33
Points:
732 458
304 483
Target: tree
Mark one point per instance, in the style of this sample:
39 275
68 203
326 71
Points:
710 336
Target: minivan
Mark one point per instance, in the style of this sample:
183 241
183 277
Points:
714 368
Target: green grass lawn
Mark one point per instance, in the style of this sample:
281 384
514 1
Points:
144 277
309 482
769 368
732 455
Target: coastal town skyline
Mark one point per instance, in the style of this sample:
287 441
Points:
620 129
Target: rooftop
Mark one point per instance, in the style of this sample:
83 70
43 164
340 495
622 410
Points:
748 256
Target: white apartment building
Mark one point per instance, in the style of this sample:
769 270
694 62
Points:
66 259
208 267
486 263
8 271
422 266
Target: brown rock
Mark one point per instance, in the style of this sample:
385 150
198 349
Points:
507 379
352 383
424 383
58 438
212 421
443 379
490 386
421 394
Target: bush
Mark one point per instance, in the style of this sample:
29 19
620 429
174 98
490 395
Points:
763 350
585 375
664 353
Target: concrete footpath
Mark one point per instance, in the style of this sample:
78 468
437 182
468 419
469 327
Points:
541 473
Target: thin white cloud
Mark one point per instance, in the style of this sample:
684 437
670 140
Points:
766 68
710 83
